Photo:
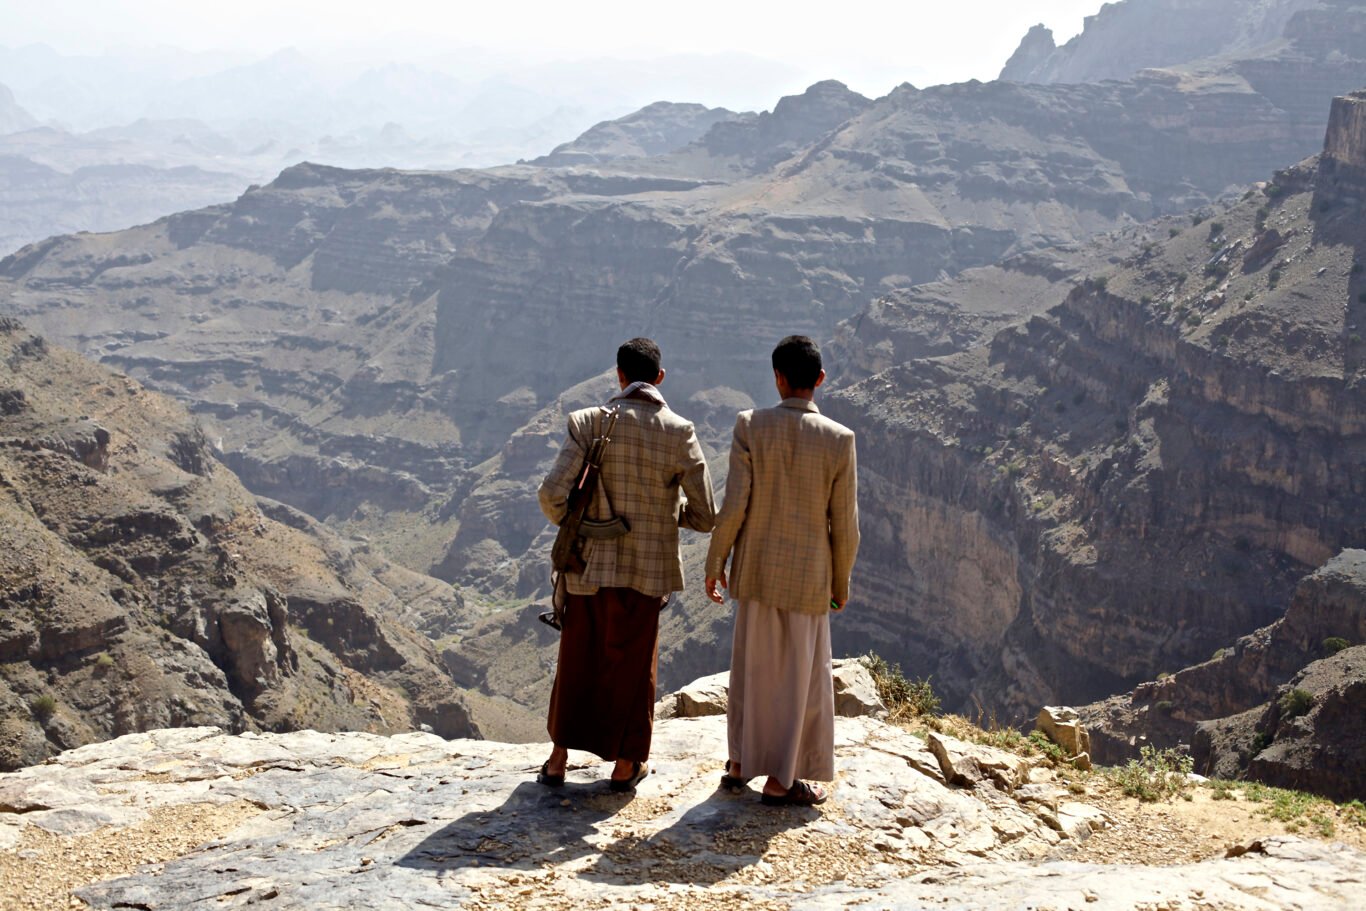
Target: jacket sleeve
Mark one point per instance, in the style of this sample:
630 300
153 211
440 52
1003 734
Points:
844 534
699 510
554 491
733 511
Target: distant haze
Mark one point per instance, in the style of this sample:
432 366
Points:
871 45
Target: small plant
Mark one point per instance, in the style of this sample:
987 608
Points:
1146 299
1215 229
1196 219
1051 751
104 660
1260 741
1296 702
905 699
1356 338
1100 282
1274 191
1218 653
1164 706
1355 813
1155 775
1334 644
43 707
1223 790
1173 232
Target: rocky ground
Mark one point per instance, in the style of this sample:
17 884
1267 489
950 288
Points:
196 818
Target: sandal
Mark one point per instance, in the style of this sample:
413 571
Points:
729 781
544 777
638 772
800 794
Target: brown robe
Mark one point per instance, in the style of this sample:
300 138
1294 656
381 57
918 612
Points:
603 699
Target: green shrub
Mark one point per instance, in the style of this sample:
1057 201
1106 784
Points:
1260 741
1039 740
904 698
104 660
1296 703
1155 775
1173 232
1223 790
1164 706
43 707
1334 644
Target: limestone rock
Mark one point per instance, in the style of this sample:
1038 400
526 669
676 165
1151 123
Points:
704 696
971 764
855 694
358 820
856 691
1063 726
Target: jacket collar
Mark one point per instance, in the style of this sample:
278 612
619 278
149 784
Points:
800 404
641 392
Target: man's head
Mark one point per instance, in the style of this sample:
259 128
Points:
638 362
797 366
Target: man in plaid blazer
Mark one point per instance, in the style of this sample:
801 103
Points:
655 478
789 526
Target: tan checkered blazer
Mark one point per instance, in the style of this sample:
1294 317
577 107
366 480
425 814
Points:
657 480
791 509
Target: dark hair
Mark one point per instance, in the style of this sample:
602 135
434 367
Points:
638 360
799 360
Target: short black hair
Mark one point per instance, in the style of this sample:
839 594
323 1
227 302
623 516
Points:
638 360
798 359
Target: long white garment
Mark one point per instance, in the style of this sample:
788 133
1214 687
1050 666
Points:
781 707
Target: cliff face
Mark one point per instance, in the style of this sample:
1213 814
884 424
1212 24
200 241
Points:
1285 705
1132 480
141 586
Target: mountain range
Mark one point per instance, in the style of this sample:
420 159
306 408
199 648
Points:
1097 338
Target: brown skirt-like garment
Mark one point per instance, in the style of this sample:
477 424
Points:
603 699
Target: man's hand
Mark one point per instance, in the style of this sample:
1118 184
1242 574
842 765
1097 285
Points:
837 605
712 592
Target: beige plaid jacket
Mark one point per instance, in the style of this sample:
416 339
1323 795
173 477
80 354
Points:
656 479
791 509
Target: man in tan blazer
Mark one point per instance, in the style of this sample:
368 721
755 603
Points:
655 478
789 525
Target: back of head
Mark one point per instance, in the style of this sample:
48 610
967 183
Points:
798 359
639 360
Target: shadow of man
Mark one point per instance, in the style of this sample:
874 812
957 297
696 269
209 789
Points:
707 843
534 826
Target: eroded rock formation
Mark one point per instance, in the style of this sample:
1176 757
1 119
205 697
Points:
141 586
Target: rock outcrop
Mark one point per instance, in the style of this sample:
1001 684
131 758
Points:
141 586
655 129
1132 35
359 820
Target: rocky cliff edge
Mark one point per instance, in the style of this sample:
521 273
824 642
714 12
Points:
197 818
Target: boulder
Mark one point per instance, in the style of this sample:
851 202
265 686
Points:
971 764
1062 725
855 690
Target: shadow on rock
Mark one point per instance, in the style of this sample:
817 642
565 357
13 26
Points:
536 825
707 843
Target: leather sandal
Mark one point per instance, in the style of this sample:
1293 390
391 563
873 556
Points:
544 777
729 781
800 794
638 772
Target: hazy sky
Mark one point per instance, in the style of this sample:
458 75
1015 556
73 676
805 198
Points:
870 44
